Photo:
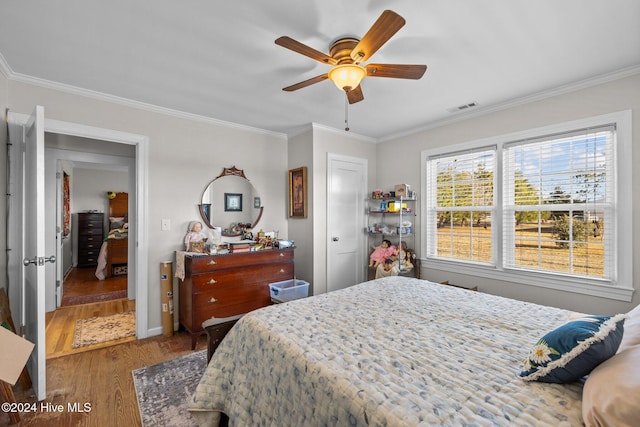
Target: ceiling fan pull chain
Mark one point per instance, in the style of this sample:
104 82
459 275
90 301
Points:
346 112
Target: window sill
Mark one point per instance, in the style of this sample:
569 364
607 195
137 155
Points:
549 281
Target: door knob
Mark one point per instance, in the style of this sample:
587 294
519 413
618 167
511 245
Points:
335 239
39 260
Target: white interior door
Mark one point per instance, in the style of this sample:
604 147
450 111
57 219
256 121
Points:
345 221
34 249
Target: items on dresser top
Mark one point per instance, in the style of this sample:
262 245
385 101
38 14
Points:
227 285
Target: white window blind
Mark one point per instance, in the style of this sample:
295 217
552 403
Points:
559 205
460 205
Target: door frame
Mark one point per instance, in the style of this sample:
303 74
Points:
331 157
138 181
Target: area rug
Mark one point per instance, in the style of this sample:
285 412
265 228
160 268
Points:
104 328
88 299
163 390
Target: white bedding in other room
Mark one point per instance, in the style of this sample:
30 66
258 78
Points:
395 351
116 233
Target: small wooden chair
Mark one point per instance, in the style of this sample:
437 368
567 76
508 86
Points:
217 328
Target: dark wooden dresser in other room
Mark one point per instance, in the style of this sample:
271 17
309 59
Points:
90 236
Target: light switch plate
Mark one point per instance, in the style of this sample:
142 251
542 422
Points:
166 224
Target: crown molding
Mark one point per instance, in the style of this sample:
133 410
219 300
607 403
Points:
299 130
5 69
515 102
100 96
342 132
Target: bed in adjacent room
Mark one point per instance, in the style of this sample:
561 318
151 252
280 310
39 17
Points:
393 351
114 251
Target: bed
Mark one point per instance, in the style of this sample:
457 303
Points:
114 251
395 351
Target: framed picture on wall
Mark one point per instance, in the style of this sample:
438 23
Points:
233 202
298 193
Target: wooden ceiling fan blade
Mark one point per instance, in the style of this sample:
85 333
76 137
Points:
305 50
306 83
355 95
398 71
382 30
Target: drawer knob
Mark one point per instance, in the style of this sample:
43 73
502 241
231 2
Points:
281 254
282 270
212 262
212 282
212 300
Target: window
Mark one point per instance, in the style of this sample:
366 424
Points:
558 203
545 207
462 205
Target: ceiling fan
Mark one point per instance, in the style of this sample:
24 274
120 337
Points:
347 55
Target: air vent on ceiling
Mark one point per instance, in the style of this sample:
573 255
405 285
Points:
463 107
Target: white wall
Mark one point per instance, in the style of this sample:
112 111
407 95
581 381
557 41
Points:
300 153
89 188
4 102
311 149
402 164
327 141
88 192
184 156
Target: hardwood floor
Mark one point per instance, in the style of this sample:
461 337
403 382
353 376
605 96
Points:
101 378
99 375
83 281
61 323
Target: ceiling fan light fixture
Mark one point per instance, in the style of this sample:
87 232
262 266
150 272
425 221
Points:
347 76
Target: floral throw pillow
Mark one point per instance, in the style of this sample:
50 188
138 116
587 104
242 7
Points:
571 351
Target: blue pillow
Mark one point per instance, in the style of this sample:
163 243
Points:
571 351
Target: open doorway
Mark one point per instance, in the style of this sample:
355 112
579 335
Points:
33 292
91 216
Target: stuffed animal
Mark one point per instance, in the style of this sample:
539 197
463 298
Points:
381 253
405 257
388 268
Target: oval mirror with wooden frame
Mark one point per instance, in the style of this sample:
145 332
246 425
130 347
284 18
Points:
231 202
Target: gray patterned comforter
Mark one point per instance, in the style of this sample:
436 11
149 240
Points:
390 352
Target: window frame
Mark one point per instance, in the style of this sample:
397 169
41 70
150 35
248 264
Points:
621 286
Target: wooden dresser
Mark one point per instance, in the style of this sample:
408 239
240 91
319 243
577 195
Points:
228 285
90 236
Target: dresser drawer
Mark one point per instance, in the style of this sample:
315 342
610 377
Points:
90 241
228 301
90 231
200 264
263 274
90 223
89 252
228 285
87 260
91 216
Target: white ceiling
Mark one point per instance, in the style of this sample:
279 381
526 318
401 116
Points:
219 60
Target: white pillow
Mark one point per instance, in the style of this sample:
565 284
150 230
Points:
631 335
611 394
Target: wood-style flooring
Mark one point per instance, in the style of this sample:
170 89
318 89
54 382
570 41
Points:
98 375
61 323
83 281
101 378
